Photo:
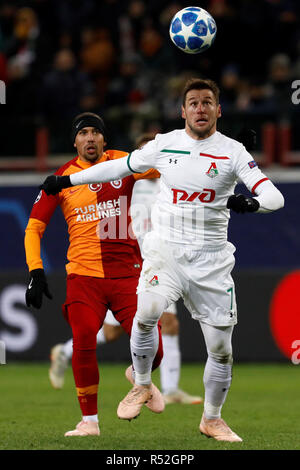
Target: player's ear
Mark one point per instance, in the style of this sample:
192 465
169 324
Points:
183 115
219 111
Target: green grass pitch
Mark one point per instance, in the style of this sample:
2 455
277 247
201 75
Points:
262 407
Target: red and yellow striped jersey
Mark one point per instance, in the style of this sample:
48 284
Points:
101 241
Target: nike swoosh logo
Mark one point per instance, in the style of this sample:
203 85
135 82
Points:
30 284
73 191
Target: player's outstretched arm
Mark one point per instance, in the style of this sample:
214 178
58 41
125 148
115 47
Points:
100 173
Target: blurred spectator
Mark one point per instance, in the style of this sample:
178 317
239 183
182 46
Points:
97 56
166 14
151 41
127 81
97 51
136 14
279 83
173 98
22 49
73 15
28 50
229 85
59 57
156 54
259 101
7 18
282 18
64 91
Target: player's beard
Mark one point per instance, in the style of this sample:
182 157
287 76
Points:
93 157
202 133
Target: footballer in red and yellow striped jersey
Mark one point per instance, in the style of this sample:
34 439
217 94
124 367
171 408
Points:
102 243
104 260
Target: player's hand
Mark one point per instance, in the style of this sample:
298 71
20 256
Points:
248 138
53 184
36 288
241 204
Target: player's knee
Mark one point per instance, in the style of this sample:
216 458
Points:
148 314
222 358
143 327
145 320
226 358
85 338
221 353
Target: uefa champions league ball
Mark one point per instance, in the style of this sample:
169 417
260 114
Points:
193 30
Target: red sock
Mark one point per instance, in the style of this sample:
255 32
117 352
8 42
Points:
86 376
85 324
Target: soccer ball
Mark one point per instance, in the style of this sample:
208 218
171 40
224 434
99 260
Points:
193 30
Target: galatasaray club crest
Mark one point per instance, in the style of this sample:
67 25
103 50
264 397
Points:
95 187
212 172
116 184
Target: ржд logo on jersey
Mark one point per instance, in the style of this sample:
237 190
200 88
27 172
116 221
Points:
206 195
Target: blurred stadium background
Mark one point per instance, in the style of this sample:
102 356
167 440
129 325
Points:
61 57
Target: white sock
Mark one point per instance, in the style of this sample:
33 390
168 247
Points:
93 418
101 337
217 381
143 345
68 348
170 364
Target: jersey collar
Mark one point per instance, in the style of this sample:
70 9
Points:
209 139
85 165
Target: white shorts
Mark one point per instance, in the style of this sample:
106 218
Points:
201 277
110 319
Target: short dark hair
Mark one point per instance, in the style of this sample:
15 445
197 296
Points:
200 84
144 138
